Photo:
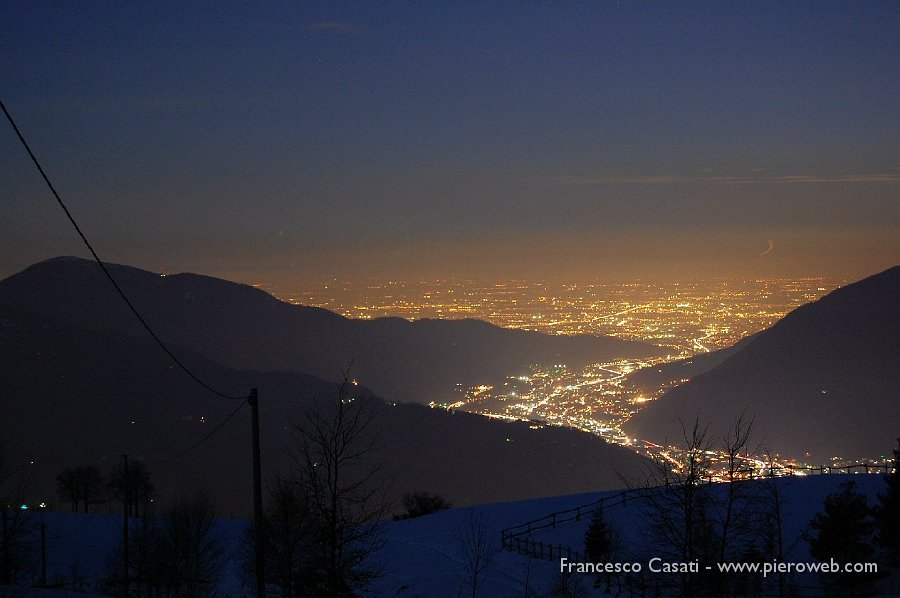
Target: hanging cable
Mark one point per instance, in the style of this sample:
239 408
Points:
106 270
202 440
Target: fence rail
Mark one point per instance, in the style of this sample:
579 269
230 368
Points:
517 538
544 551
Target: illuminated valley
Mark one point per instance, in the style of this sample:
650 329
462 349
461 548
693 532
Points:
688 318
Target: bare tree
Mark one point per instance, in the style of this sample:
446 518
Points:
193 550
132 487
418 504
145 565
17 549
772 517
93 485
677 506
681 478
289 529
336 472
179 553
67 487
477 543
82 484
567 584
733 510
528 576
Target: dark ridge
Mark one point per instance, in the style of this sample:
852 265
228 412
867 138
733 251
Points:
75 396
245 328
822 382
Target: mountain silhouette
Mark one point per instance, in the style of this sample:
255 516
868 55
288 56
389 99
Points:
74 396
821 382
243 327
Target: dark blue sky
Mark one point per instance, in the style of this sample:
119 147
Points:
279 140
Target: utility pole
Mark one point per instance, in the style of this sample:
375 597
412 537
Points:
253 399
43 554
5 576
125 503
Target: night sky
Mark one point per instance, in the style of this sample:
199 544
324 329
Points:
281 141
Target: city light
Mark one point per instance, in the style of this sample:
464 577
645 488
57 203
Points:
688 318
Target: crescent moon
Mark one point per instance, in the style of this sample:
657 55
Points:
771 247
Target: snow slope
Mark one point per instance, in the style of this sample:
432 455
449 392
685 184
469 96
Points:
423 556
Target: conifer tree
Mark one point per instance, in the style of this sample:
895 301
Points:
598 544
844 532
598 539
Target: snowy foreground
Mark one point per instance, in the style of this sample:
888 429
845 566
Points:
424 556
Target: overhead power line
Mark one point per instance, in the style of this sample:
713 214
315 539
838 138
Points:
106 271
202 440
251 400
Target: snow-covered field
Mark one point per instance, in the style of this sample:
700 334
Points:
424 556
